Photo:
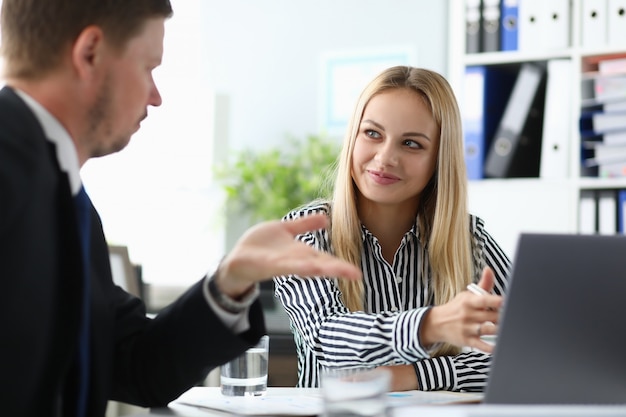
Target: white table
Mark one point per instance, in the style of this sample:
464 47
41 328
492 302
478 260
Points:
306 395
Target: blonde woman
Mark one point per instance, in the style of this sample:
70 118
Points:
399 212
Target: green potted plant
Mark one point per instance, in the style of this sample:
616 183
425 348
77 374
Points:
267 184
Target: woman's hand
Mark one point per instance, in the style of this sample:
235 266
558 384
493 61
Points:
465 318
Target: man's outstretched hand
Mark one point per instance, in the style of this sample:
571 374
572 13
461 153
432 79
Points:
269 249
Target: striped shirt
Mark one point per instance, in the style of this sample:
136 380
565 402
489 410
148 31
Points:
328 335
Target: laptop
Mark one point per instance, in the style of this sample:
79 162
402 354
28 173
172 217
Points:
562 334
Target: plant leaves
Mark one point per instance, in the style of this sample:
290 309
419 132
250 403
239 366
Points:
268 184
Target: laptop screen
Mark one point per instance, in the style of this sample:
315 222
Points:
562 334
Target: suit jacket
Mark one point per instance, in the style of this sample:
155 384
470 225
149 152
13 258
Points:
147 362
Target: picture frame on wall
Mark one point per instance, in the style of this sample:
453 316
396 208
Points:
344 74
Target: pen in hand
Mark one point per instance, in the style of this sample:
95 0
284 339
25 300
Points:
476 289
480 291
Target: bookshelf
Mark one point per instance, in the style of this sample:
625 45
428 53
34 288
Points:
514 205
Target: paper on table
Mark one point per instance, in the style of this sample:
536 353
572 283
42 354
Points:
306 401
310 403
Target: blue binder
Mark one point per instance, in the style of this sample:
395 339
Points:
487 89
509 26
621 211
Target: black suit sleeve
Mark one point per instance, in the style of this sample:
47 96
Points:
158 359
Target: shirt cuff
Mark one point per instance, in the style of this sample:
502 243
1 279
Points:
435 374
406 340
235 317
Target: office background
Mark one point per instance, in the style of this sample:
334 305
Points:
238 74
246 74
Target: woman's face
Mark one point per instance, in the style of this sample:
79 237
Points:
395 153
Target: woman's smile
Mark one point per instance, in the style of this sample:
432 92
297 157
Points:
382 178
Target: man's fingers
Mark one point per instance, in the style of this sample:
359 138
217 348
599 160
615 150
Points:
320 264
307 224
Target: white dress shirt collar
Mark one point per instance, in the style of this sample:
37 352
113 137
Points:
56 133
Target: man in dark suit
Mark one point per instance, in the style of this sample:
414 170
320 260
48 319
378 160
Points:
79 81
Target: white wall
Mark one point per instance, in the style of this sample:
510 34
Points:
265 55
266 58
157 196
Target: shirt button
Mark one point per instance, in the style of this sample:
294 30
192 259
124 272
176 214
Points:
394 309
398 280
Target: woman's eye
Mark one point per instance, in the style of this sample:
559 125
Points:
412 144
372 133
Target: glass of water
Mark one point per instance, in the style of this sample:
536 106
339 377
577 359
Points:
356 393
246 375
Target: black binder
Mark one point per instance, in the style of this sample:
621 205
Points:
472 26
490 25
515 150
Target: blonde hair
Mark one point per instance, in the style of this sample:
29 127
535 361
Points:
443 220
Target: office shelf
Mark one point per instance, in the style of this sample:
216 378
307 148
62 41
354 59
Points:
512 206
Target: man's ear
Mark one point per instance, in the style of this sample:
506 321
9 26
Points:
87 50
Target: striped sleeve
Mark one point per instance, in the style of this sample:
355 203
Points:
347 339
328 335
467 372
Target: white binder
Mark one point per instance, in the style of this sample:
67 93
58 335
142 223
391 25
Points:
556 122
607 212
594 21
544 24
587 212
617 22
555 25
531 24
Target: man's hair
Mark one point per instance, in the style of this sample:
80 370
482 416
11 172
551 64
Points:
35 33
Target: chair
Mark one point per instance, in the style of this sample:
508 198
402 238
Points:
125 274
